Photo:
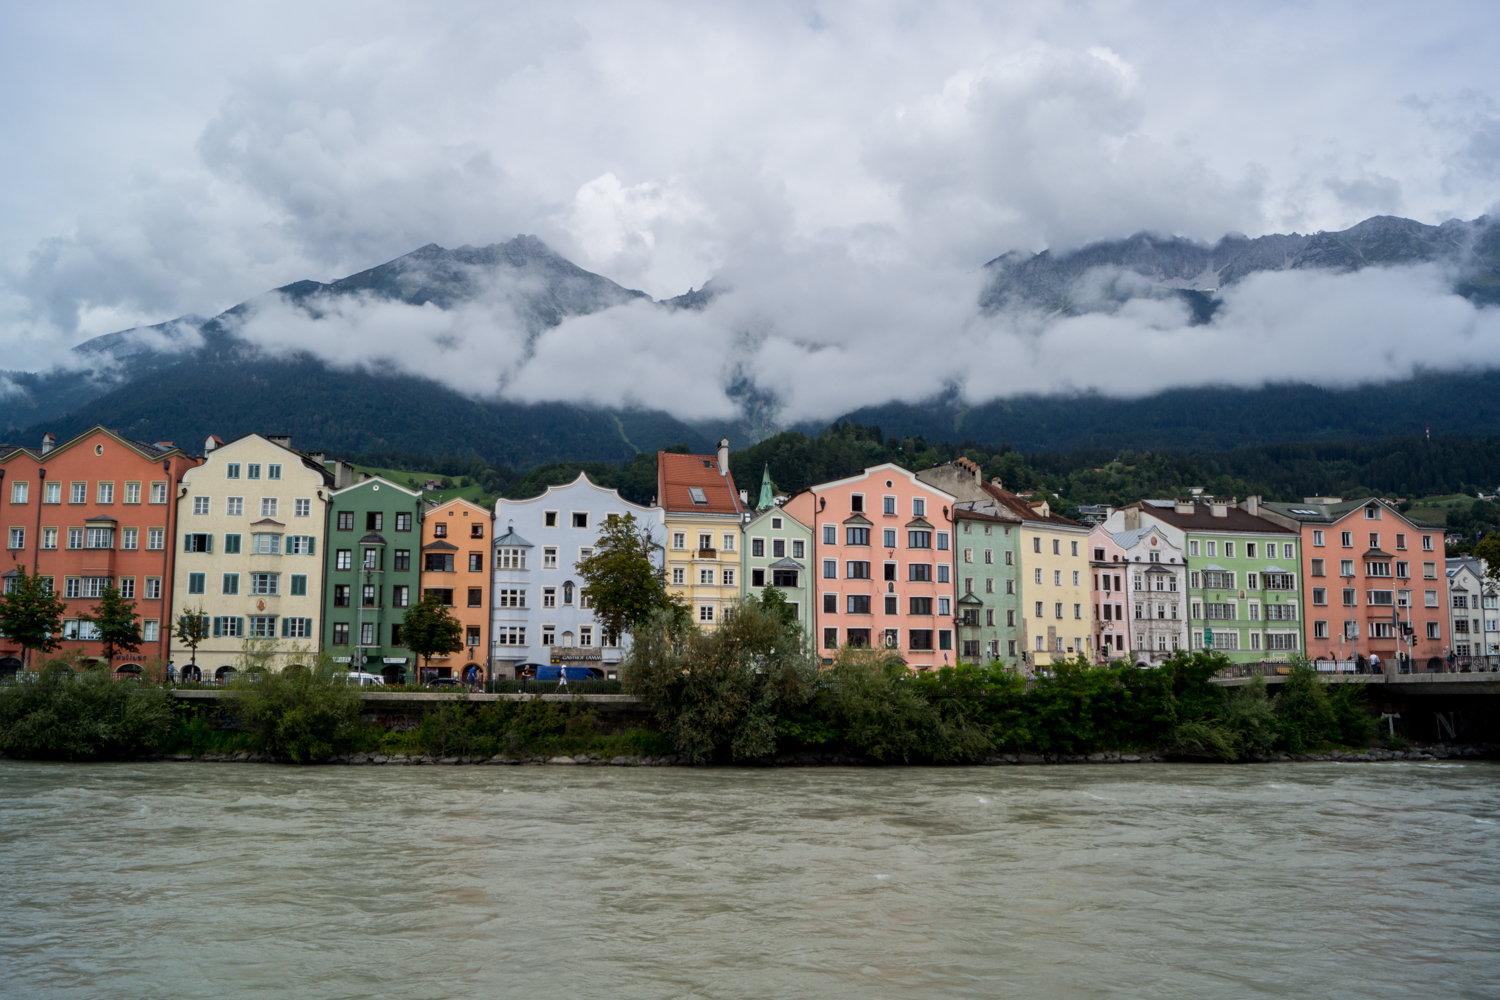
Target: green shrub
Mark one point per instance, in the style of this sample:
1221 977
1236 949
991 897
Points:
71 715
297 716
884 712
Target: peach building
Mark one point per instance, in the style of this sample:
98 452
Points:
455 540
882 566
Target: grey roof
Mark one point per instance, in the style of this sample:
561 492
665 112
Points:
373 538
513 540
787 564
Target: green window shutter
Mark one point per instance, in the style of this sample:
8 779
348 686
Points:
240 626
218 627
312 545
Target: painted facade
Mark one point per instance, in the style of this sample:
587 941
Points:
884 563
1139 580
1473 613
1244 593
372 561
252 522
986 564
1371 574
776 551
93 512
455 566
704 515
540 611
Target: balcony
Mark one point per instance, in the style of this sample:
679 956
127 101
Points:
708 553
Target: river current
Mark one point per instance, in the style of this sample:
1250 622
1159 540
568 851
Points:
170 880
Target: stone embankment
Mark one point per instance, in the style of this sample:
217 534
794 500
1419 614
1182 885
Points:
1438 751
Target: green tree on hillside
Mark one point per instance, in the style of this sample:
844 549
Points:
114 618
31 613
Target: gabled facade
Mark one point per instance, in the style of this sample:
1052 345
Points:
252 523
704 515
884 563
776 551
1375 580
456 539
1054 619
372 561
93 512
1140 581
540 610
1473 611
1244 591
986 563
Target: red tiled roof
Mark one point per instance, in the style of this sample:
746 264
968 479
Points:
677 473
1029 510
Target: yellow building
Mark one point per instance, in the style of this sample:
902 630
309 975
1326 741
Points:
1056 614
703 517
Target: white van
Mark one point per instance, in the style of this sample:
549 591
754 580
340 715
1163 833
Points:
364 679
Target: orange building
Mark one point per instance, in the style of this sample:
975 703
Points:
455 538
96 511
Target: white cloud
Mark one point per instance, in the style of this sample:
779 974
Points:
842 169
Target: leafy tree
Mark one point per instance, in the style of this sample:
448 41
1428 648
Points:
720 694
623 586
114 618
192 629
429 629
31 613
773 600
1488 549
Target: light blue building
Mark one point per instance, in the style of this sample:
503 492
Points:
539 610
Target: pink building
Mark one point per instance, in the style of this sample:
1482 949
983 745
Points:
882 546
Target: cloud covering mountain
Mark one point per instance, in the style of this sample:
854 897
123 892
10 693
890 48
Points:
840 172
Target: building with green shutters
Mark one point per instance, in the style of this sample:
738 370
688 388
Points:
372 559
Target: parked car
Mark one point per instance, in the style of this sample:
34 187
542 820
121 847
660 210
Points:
446 684
363 679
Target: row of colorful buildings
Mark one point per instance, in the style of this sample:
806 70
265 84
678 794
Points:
283 553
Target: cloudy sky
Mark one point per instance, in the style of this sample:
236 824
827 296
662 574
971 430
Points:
844 169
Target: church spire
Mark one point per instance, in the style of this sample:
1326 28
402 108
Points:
767 493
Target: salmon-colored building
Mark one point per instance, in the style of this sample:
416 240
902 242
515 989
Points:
882 567
95 511
455 537
1375 582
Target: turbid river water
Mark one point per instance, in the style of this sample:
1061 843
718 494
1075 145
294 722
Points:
222 880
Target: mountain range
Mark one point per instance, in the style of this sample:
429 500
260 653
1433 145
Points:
191 376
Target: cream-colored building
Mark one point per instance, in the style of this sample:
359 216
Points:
252 520
704 512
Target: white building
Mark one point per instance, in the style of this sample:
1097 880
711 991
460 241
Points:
1473 609
540 612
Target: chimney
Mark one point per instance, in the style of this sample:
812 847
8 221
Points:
744 498
317 456
1132 518
1252 506
1183 506
723 456
285 440
48 443
995 482
1218 508
210 444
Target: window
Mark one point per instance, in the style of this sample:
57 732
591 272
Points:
798 549
919 539
1348 597
367 634
1216 580
1426 543
341 634
857 536
705 611
234 506
232 470
729 578
401 596
1317 567
476 562
1346 567
892 604
679 576
550 519
1403 570
301 545
1346 539
302 508
1429 571
858 571
919 507
1057 578
1319 595
1220 611
299 585
153 588
1382 569
920 605
888 505
78 493
515 558
705 543
757 578
343 559
158 492
195 583
1193 547
444 597
778 548
830 604
151 631
49 538
918 572
346 521
299 628
1057 610
19 492
1039 609
229 626
230 584
52 493
1211 547
194 542
200 505
262 626
858 604
1228 550
252 470
581 518
1460 600
17 538
921 638
679 540
437 562
509 597
273 471
374 519
264 584
706 577
106 493
265 544
130 539
830 569
729 543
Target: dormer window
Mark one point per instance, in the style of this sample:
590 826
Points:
696 492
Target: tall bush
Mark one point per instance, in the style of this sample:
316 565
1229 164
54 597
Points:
82 715
296 715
